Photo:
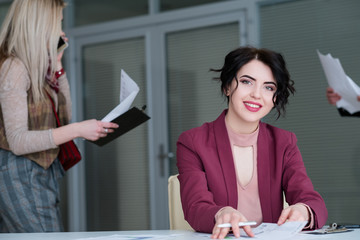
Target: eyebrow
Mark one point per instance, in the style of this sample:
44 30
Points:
247 76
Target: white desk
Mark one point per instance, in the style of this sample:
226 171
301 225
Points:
159 234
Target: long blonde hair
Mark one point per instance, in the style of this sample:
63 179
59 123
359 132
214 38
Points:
30 32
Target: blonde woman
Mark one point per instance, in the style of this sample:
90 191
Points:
31 77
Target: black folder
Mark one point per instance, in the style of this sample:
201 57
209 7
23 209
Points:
126 121
344 113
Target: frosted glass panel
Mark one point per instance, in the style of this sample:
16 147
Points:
4 7
166 5
117 173
329 143
95 11
193 96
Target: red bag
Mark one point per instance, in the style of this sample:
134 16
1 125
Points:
69 154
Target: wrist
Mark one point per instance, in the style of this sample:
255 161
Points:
221 210
75 130
306 210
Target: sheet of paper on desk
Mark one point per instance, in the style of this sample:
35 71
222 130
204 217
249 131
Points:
268 231
133 237
128 91
272 231
341 83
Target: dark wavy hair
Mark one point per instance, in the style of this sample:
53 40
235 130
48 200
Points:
237 58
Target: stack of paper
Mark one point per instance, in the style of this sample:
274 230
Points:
341 83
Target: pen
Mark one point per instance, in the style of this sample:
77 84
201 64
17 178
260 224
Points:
241 224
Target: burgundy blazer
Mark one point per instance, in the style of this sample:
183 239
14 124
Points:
208 179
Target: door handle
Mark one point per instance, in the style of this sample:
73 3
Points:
163 156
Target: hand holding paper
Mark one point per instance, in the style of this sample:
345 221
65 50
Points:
341 83
122 115
272 231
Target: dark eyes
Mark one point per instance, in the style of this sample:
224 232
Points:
244 81
268 87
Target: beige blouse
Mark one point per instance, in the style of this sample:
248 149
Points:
14 85
244 149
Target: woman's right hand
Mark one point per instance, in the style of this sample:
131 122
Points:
232 216
89 129
332 96
94 129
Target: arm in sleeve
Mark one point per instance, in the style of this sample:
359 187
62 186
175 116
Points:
14 84
197 200
298 186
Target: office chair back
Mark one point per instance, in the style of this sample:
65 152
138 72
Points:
176 215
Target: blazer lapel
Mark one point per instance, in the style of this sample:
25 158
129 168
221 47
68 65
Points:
263 166
226 159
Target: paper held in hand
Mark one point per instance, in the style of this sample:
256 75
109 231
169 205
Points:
128 91
125 117
341 83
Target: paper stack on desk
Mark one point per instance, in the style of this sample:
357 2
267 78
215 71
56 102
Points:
125 118
341 83
272 231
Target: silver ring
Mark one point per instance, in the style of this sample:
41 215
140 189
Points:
106 130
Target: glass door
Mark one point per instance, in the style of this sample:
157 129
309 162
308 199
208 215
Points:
117 173
194 97
190 97
169 56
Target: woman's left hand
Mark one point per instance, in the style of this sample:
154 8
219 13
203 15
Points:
60 54
297 212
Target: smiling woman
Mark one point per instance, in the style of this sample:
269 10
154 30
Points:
255 88
236 168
